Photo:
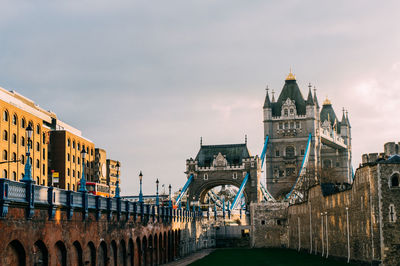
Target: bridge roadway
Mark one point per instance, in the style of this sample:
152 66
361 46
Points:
49 226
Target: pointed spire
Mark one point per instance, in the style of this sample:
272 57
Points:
344 120
201 141
273 96
310 100
347 118
245 139
315 97
267 102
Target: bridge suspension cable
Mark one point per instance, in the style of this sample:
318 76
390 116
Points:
184 189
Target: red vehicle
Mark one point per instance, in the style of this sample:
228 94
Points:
97 189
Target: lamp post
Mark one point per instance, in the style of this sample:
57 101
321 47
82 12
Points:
82 187
28 167
117 166
170 198
157 198
140 189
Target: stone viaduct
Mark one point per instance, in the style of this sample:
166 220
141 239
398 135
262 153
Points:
49 226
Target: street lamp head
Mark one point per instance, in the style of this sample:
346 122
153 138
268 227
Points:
117 166
140 176
83 153
169 186
157 182
29 131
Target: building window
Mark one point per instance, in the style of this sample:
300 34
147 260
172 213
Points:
5 155
14 120
37 129
205 177
91 152
44 138
79 146
286 125
277 153
291 111
290 151
68 172
37 180
73 187
79 174
37 163
285 112
79 161
5 116
234 175
73 144
14 157
262 222
4 173
291 124
297 124
22 159
37 146
23 122
22 141
73 173
68 186
5 135
392 213
43 183
44 170
44 153
14 176
280 125
68 157
337 164
68 142
14 138
394 180
302 151
73 158
290 171
87 164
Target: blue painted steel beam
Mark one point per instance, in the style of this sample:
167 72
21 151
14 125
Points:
264 151
185 187
240 192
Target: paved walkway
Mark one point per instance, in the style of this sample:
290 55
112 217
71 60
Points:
191 258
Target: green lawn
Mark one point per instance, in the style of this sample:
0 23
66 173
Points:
263 256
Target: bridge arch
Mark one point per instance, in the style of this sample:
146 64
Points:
90 254
102 254
122 253
114 254
15 254
40 253
131 250
61 253
77 258
155 250
144 251
165 248
138 252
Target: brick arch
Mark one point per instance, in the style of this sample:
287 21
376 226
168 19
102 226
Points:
90 254
77 254
155 250
40 253
169 243
160 248
138 252
150 252
102 257
122 253
165 248
144 251
14 255
130 252
113 253
60 253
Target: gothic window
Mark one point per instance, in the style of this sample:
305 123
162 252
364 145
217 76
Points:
291 124
68 157
297 124
277 153
5 135
234 175
205 177
14 157
5 155
22 141
44 138
394 180
281 173
290 171
286 125
44 170
79 146
73 158
37 129
73 144
14 139
337 164
14 176
280 125
327 163
291 111
37 163
68 142
285 112
4 173
290 151
44 153
73 173
37 180
23 122
22 159
5 116
68 172
37 146
14 120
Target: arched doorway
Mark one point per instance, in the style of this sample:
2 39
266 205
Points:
102 254
122 253
114 254
130 252
138 252
15 254
144 251
90 254
61 253
40 253
77 254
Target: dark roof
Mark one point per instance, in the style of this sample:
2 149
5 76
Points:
234 153
290 90
267 102
393 159
331 188
328 112
310 100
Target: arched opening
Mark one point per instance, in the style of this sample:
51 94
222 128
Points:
130 252
77 254
14 255
155 250
114 254
138 252
394 180
289 152
217 194
102 254
122 253
169 246
165 248
160 249
40 254
150 251
144 251
90 254
61 253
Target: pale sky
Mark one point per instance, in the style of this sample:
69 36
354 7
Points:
145 79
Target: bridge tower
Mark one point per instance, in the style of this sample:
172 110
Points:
288 121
